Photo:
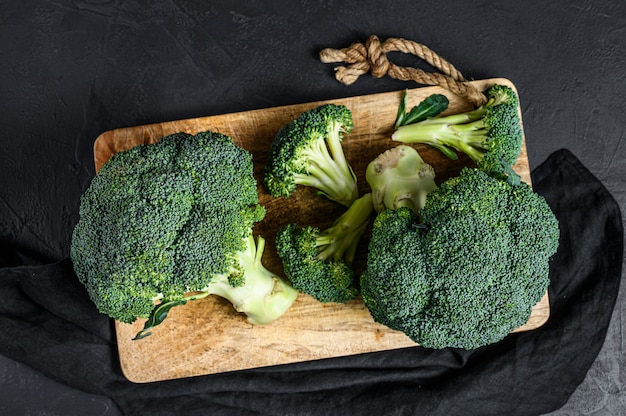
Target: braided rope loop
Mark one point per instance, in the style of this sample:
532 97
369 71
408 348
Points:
372 57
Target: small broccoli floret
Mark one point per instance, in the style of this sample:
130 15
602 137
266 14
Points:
319 262
490 135
400 177
468 269
308 151
161 222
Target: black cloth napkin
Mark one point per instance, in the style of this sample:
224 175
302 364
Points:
48 323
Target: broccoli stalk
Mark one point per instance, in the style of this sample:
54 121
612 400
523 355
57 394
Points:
328 170
319 262
263 296
400 177
251 288
308 151
340 240
490 135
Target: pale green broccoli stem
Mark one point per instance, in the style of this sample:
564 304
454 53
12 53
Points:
464 132
264 297
399 177
469 138
329 172
334 141
460 118
340 240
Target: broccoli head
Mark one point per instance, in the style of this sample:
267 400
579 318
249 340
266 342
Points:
319 262
467 268
490 135
308 151
164 223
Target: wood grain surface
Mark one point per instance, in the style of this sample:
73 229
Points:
207 336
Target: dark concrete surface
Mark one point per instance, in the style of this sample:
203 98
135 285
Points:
72 69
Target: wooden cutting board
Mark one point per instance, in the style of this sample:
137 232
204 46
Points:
207 336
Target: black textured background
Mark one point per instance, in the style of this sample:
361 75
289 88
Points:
70 70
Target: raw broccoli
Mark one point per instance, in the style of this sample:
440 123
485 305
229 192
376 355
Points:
400 177
308 151
320 262
168 222
490 135
467 268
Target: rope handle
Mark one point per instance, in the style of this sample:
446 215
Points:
372 57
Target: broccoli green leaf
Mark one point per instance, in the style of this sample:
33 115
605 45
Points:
431 106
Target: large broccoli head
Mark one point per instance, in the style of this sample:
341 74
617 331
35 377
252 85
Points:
468 269
164 219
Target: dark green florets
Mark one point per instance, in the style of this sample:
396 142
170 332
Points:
308 152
